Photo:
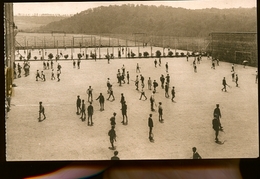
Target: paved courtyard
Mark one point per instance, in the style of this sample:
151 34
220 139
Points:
188 122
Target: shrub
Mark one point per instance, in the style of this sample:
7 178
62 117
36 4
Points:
132 54
146 54
79 55
35 58
170 53
182 54
50 56
158 53
140 54
177 54
66 56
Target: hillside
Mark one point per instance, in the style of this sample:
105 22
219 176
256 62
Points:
28 23
154 20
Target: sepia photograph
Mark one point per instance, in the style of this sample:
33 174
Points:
131 80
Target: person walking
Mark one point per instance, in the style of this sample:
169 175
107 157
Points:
162 79
108 85
41 111
196 155
122 100
233 76
124 113
111 93
217 114
236 80
232 68
150 125
173 93
149 84
160 111
113 119
112 137
216 127
89 92
168 79
142 79
78 104
166 67
224 83
78 63
142 94
83 111
90 114
74 63
127 77
101 101
115 157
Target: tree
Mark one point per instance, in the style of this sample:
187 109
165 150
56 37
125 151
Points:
50 56
158 53
146 54
170 53
35 57
66 56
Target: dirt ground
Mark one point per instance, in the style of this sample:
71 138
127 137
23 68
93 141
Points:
187 123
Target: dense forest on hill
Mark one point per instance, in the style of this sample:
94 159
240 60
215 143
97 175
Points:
162 20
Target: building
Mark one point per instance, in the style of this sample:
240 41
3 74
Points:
234 47
9 48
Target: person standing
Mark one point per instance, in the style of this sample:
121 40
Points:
137 68
233 76
166 67
168 79
74 63
52 75
166 88
162 79
155 63
113 119
160 111
232 68
112 137
187 57
155 84
149 84
224 83
90 114
256 77
43 76
123 69
101 101
58 74
89 92
48 65
152 101
51 64
195 66
236 80
108 85
41 111
137 82
78 63
115 157
150 125
122 100
216 127
196 155
142 79
37 75
111 93
173 93
78 104
217 114
124 113
127 77
160 61
83 111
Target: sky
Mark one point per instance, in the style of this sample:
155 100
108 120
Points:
63 8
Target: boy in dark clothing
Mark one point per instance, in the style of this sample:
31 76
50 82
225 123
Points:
37 75
166 66
142 94
155 84
124 113
111 93
166 88
173 93
113 119
127 76
89 92
41 111
90 114
160 111
101 101
196 155
83 111
162 79
150 125
115 157
216 127
112 137
78 103
224 83
217 114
